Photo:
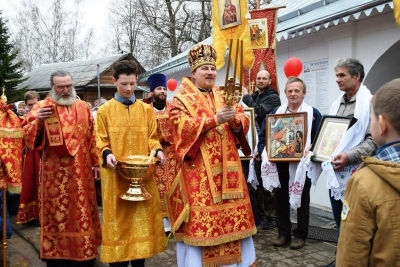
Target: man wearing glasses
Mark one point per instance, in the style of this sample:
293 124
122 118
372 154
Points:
62 128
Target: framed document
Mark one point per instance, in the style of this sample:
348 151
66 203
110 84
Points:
285 136
251 134
329 134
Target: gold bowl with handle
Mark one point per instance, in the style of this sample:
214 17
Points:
136 169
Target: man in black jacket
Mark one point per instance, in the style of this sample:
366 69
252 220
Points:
263 100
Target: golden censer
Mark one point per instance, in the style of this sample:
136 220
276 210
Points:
136 169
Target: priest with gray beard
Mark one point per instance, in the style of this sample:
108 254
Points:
61 127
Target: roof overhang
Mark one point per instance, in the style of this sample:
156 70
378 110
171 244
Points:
354 14
312 18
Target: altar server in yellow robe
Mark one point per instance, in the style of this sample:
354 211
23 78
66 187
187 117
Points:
132 230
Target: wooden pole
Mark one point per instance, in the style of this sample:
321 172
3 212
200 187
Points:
236 64
4 226
228 65
241 66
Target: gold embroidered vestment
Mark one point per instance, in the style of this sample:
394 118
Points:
131 229
212 179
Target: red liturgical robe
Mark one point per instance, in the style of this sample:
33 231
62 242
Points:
70 224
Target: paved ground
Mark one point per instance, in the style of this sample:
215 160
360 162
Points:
22 251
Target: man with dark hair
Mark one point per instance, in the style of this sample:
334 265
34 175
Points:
28 211
62 128
295 91
263 101
132 230
357 141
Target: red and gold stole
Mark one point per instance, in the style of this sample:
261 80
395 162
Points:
165 174
65 128
226 174
220 163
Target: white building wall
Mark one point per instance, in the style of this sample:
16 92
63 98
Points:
366 39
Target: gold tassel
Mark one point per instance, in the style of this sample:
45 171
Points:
183 217
232 195
11 133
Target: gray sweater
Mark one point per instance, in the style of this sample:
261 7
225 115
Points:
366 147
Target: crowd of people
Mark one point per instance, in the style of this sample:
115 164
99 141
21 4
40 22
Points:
199 188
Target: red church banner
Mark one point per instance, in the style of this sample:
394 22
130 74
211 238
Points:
262 34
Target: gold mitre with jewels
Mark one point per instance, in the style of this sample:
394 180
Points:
201 54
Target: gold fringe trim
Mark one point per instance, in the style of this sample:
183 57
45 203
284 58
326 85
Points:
223 263
217 199
14 189
183 217
232 195
30 204
213 241
232 168
22 222
178 237
11 133
216 170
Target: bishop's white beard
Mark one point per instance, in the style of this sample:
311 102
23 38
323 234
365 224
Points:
62 101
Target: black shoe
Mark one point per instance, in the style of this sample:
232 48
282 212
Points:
297 243
32 222
332 264
281 241
268 225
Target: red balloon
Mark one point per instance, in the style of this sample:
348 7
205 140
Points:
172 84
293 67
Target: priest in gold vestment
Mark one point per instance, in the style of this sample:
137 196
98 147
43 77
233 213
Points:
165 174
132 230
62 128
212 219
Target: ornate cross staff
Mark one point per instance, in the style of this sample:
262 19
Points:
233 91
252 87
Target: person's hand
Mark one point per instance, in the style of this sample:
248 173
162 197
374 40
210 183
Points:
161 157
225 114
245 91
257 156
44 113
96 173
111 161
340 161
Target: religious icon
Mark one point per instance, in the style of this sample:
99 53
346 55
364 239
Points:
229 13
259 33
286 133
328 136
